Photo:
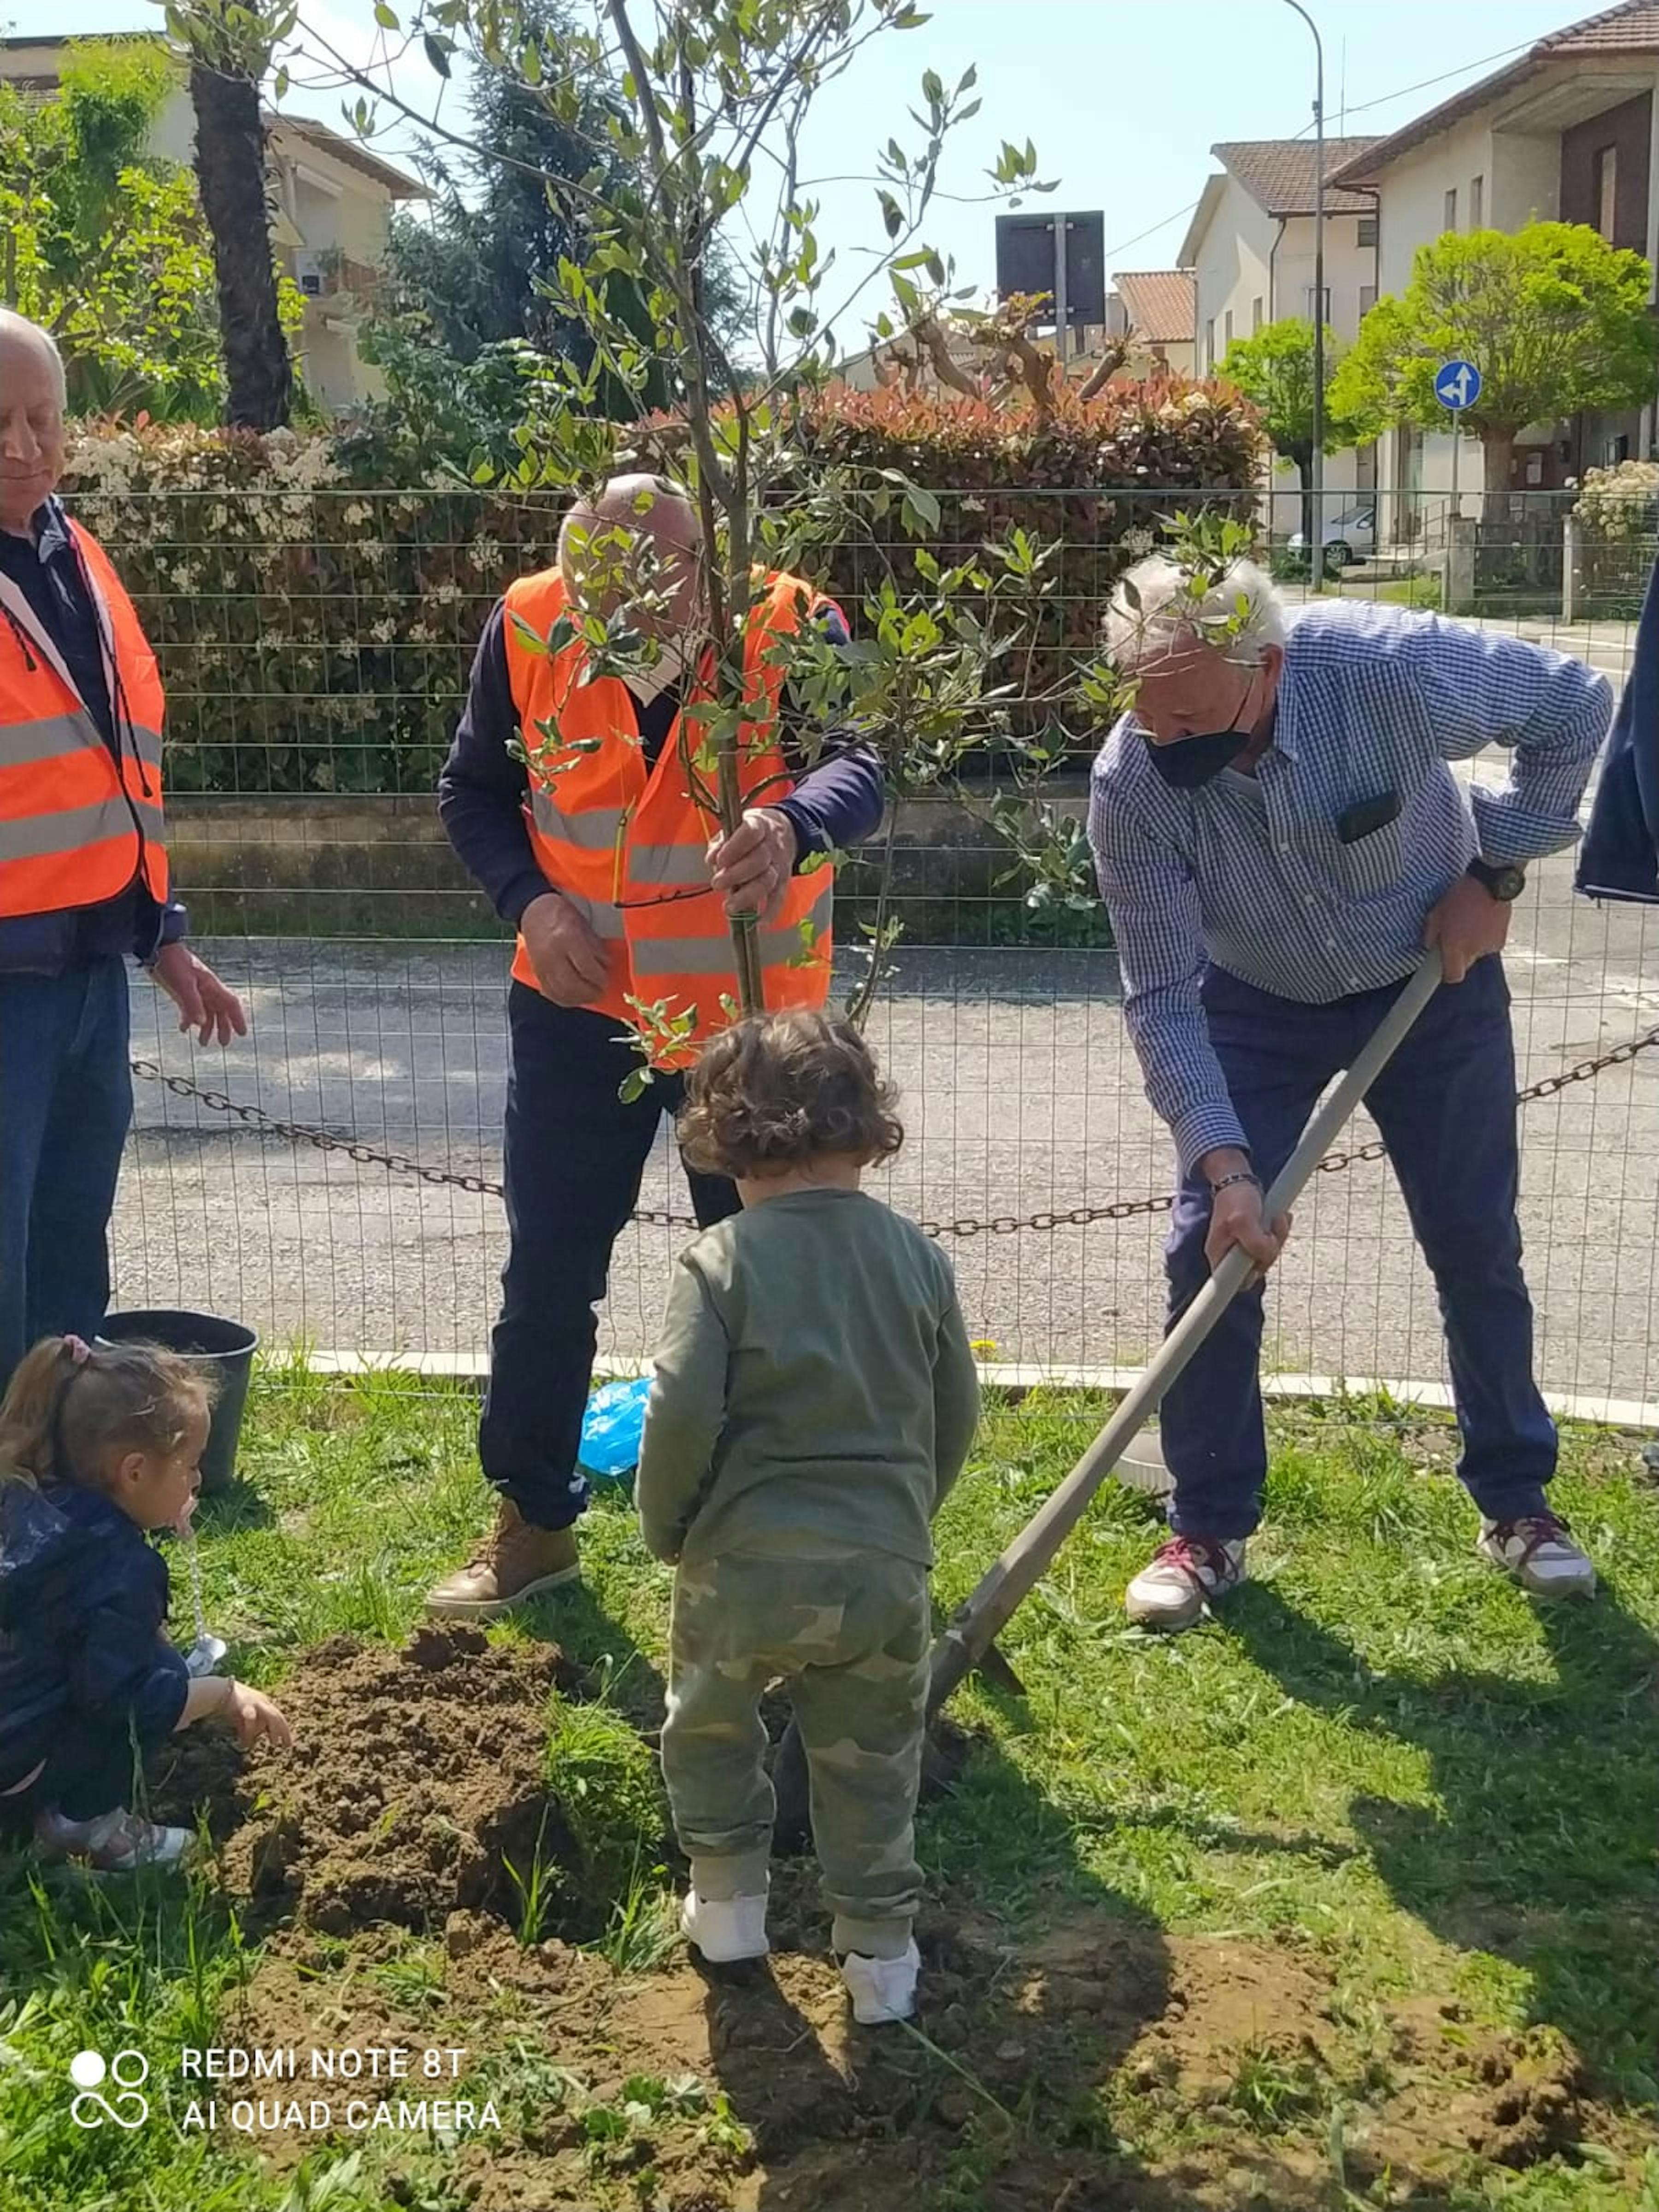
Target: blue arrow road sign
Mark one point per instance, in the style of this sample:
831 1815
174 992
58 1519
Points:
1457 384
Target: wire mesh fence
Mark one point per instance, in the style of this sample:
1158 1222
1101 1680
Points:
315 678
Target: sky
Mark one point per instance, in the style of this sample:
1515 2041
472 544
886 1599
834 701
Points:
1123 98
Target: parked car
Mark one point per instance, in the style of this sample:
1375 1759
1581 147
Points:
1348 537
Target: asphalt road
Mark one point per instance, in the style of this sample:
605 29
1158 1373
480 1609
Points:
1021 1093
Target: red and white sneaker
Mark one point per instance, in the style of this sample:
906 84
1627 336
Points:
1537 1551
1182 1577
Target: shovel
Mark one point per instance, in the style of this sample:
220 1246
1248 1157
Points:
968 1641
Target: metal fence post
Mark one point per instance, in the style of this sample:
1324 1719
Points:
1571 581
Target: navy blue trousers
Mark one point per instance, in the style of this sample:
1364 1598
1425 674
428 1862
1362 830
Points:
574 1158
65 1101
1445 1107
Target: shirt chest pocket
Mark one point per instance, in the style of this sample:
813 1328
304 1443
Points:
1371 863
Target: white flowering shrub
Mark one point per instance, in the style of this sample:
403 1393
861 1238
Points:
1619 503
313 631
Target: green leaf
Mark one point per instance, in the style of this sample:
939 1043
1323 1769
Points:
384 17
438 51
891 213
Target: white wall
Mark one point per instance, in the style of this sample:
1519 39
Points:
1245 255
1232 271
1411 199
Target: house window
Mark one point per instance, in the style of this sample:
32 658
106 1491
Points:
1477 201
1227 328
1209 343
1606 190
1256 312
1367 299
1450 222
1366 230
1321 311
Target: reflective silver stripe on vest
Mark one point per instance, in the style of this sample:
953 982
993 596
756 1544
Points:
594 829
603 918
668 867
713 956
60 736
42 834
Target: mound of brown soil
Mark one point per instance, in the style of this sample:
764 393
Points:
415 1778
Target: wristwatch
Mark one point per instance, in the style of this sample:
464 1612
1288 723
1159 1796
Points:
1506 881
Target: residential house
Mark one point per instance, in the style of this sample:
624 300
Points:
1568 132
1250 247
1158 307
331 202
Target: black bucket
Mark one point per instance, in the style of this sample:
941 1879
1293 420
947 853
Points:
223 1347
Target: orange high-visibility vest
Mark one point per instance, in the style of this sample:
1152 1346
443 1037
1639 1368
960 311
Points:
627 847
76 826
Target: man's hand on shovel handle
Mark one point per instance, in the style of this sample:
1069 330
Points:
1236 1214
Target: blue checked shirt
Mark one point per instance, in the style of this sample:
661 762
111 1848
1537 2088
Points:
1248 872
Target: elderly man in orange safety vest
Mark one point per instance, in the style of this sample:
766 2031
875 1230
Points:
83 871
570 800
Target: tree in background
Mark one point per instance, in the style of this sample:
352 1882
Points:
230 51
1555 318
478 269
105 245
1274 369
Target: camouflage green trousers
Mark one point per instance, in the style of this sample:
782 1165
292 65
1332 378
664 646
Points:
850 1637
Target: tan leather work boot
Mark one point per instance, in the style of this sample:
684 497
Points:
516 1560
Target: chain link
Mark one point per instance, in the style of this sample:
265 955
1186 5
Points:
1000 1225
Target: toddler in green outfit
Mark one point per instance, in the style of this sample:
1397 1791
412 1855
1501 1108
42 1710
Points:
814 1400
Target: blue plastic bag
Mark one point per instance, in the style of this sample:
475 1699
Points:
611 1429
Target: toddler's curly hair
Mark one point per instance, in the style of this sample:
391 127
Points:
778 1089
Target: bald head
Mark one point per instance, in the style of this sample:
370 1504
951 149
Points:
638 547
32 434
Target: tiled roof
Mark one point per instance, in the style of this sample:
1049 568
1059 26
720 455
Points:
1630 28
1279 173
1162 304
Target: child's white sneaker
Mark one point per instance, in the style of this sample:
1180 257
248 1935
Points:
115 1842
726 1929
882 1989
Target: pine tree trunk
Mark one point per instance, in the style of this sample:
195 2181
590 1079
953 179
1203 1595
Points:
230 171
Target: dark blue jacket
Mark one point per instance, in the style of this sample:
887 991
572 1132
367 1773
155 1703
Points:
1620 856
83 1598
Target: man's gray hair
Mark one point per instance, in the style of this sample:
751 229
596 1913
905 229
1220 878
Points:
1159 607
14 326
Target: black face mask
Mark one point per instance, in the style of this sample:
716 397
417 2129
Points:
1186 763
1189 762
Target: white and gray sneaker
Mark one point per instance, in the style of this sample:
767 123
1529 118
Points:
1182 1576
881 1989
726 1929
115 1842
1537 1551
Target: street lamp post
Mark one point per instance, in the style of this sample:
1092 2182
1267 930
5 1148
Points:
1316 548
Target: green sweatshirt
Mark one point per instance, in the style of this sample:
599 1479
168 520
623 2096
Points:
814 1389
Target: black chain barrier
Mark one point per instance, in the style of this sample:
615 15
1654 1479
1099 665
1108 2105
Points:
1000 1225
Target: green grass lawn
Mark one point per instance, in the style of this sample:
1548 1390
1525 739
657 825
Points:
1385 1788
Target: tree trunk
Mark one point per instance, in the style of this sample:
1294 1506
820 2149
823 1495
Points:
230 170
1302 457
1497 450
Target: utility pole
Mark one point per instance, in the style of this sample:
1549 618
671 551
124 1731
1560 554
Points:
1316 549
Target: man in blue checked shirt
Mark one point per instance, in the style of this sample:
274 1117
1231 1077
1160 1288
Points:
1277 837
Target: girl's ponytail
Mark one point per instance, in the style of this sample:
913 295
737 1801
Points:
28 1413
69 1405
